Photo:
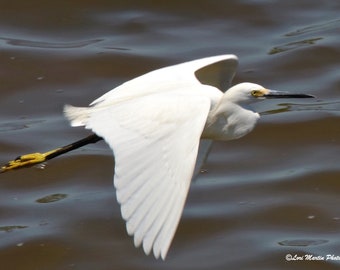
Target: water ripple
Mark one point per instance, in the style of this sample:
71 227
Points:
324 26
294 45
48 45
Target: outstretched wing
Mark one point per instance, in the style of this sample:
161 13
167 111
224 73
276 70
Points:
217 71
153 123
155 141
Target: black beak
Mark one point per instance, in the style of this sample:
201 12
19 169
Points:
281 94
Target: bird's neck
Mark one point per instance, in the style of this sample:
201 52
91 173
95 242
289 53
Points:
229 121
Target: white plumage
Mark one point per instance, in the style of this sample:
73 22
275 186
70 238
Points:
154 124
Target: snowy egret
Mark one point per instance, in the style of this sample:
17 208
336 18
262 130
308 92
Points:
154 124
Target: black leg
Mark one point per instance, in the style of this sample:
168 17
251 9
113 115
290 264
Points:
35 158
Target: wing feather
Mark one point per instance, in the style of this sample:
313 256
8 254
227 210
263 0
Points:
217 71
155 141
144 210
153 124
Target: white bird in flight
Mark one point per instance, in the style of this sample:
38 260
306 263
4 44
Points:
154 124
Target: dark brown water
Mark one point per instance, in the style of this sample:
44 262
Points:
272 193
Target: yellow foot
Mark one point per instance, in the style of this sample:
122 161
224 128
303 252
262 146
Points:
25 161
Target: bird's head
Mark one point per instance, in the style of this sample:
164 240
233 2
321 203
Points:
247 93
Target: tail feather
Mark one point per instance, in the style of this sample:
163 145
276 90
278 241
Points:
78 116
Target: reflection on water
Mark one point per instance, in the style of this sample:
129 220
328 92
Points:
274 192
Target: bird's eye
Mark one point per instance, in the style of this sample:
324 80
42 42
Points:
256 93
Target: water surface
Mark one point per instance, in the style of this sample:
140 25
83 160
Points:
272 193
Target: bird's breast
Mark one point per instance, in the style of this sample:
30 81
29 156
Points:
229 126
